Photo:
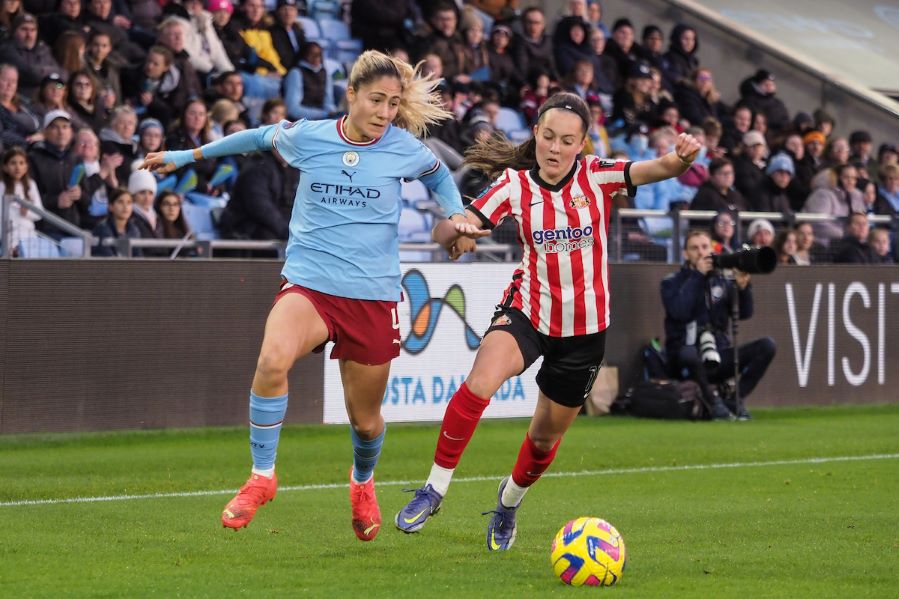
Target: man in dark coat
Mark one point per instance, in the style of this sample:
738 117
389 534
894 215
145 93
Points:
262 200
52 162
287 35
759 93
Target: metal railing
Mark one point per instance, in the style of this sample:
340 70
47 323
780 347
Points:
48 217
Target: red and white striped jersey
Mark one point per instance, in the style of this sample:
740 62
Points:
562 283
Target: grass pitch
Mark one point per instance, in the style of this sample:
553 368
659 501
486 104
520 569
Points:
797 503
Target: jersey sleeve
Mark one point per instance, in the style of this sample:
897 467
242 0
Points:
616 173
495 203
288 141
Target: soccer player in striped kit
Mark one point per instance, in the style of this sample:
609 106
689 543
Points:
557 305
341 278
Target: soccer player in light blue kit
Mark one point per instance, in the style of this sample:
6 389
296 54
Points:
341 279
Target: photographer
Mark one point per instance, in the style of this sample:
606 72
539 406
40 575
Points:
697 302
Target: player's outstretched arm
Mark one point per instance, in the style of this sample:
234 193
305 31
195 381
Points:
670 165
251 140
458 233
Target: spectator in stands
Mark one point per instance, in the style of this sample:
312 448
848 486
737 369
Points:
150 138
854 248
814 142
807 249
594 17
633 103
68 51
749 166
142 187
681 60
622 47
503 70
288 36
158 90
760 233
380 24
724 225
774 195
570 45
103 65
202 43
28 54
534 51
117 225
760 123
665 194
580 80
759 92
98 179
66 18
888 192
803 123
801 183
52 161
222 112
52 96
99 16
534 94
718 192
229 86
82 98
879 242
861 148
262 200
699 99
260 66
887 153
9 10
471 30
737 127
598 136
824 122
171 216
838 200
16 182
308 89
121 130
651 47
172 36
19 125
713 132
444 39
785 246
836 154
273 111
192 131
605 69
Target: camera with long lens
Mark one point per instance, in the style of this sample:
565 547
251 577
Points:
708 349
751 260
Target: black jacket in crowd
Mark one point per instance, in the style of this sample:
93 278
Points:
694 302
262 200
51 169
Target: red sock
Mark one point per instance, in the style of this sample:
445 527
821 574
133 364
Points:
461 418
532 462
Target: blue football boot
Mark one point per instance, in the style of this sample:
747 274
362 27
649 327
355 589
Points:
425 504
501 530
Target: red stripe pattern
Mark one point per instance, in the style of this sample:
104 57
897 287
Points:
564 282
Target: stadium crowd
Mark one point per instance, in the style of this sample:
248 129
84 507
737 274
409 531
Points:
88 89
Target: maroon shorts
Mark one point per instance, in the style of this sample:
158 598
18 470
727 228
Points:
364 331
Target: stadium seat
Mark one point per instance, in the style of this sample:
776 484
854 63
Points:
38 247
71 247
511 122
198 211
333 29
414 228
320 9
310 28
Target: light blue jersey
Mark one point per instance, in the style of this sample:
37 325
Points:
343 229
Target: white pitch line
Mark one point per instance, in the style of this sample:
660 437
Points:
469 479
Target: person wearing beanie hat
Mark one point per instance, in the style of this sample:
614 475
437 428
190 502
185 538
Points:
31 56
760 232
759 93
142 187
774 197
824 122
651 50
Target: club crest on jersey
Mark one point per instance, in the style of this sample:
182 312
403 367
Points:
350 158
579 202
502 320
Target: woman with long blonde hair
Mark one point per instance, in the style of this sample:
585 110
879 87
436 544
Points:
341 278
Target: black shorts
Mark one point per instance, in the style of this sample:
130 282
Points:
570 364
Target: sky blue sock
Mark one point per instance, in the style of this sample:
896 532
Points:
266 417
365 455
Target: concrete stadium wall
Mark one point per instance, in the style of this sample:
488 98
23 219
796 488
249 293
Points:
101 345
